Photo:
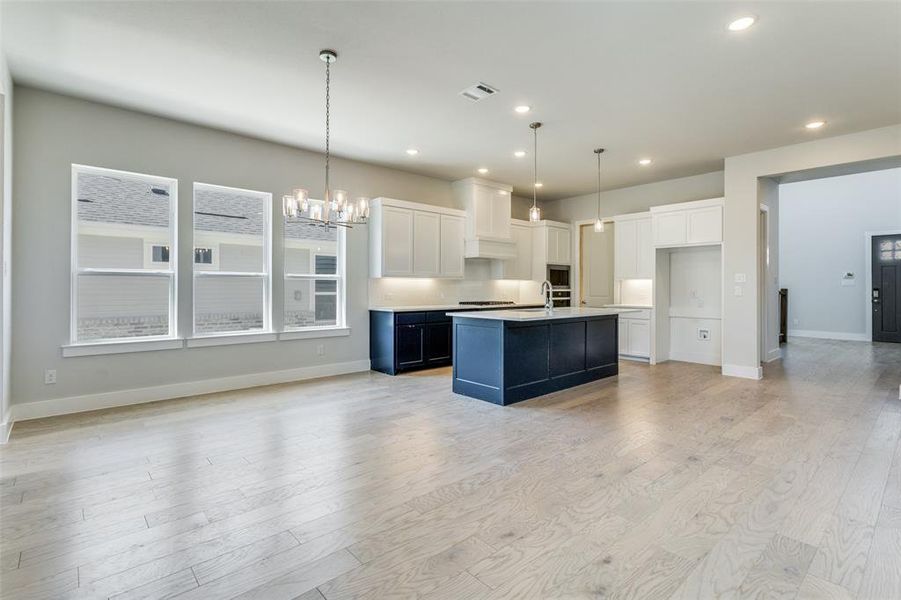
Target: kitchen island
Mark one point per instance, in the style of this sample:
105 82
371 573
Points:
506 356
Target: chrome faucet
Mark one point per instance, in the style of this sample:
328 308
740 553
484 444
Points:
547 290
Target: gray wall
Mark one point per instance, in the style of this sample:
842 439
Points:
638 198
6 201
54 131
821 235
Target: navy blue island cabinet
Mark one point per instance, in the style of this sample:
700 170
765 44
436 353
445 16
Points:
509 356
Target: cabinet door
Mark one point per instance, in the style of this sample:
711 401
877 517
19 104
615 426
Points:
623 335
551 235
397 242
426 244
669 228
564 247
625 240
705 225
451 246
409 346
438 343
644 267
639 338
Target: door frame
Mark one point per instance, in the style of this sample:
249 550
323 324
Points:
868 270
575 279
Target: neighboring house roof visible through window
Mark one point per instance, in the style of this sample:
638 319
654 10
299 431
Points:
107 199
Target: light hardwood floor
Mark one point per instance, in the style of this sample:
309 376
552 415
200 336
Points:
665 482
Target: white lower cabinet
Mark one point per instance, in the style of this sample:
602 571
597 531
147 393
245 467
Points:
635 334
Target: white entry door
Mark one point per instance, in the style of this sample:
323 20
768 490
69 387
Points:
596 266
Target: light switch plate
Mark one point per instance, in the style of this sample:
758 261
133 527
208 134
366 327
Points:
741 278
738 291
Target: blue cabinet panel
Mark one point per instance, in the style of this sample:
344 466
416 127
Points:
526 354
567 354
602 343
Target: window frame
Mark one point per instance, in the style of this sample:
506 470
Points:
208 273
75 271
339 277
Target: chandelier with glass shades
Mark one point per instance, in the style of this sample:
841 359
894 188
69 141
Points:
334 209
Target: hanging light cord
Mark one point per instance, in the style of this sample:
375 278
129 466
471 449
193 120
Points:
535 168
599 185
328 87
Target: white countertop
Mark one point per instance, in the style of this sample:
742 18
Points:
541 314
455 306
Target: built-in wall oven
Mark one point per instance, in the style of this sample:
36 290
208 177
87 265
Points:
558 275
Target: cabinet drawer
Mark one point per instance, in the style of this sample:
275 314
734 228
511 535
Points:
438 316
409 318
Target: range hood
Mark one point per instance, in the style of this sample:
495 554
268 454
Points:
487 205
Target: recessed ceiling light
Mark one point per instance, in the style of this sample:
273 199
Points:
519 153
644 162
522 109
538 184
742 23
412 151
483 171
815 124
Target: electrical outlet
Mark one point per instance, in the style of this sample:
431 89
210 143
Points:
794 321
50 376
320 350
738 291
704 334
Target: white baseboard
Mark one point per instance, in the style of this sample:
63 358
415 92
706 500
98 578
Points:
76 404
5 429
744 372
695 357
774 354
828 335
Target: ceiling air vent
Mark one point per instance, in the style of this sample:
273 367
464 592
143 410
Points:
478 92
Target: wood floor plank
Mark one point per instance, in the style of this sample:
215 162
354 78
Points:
842 553
665 481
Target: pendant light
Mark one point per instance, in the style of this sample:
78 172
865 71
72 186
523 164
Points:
535 212
335 209
599 224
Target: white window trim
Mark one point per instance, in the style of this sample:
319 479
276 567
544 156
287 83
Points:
122 347
229 338
309 333
75 271
340 293
196 339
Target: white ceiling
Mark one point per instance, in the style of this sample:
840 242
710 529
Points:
665 80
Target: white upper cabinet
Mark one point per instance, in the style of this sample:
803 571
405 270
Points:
688 223
407 239
552 245
452 246
519 267
426 244
397 247
633 249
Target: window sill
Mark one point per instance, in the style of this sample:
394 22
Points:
312 333
227 339
94 349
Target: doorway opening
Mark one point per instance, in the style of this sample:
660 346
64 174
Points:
827 242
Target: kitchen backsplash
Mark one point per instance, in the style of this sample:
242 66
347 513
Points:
475 285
